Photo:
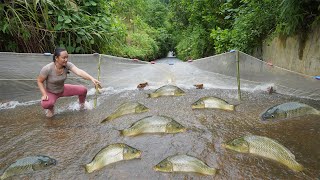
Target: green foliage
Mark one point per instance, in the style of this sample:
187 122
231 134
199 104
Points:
39 26
146 35
297 16
252 22
142 46
193 43
134 29
222 39
148 29
236 24
192 22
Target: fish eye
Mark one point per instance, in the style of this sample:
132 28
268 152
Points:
272 116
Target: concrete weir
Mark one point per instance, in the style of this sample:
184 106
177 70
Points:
74 137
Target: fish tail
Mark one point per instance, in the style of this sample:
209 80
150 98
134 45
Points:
297 167
195 107
126 132
152 95
230 107
89 168
3 176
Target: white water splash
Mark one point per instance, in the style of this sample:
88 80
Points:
14 104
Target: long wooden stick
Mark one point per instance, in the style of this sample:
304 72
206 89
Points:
238 74
97 88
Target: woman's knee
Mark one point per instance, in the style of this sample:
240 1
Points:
83 90
47 104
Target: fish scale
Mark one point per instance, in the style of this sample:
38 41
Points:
152 124
271 149
125 109
111 154
184 163
28 165
288 110
266 146
167 90
212 102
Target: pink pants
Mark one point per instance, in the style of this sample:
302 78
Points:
69 90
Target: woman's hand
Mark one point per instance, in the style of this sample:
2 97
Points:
44 98
96 82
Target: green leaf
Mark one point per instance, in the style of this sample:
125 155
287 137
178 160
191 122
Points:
57 27
227 17
67 21
78 40
78 49
70 49
5 27
60 18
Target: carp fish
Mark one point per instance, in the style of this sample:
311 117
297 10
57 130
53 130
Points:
288 110
184 163
264 147
167 90
153 124
28 165
126 108
111 154
212 102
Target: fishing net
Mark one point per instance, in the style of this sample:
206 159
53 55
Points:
264 75
18 73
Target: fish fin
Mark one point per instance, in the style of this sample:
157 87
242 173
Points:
109 118
149 96
105 120
207 171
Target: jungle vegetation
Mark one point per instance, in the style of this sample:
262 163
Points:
148 29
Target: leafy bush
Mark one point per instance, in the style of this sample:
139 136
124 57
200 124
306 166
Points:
193 43
39 26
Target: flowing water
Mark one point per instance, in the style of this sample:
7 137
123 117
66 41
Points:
73 137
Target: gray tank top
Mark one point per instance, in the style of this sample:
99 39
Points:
54 82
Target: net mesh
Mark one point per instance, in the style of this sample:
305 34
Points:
18 74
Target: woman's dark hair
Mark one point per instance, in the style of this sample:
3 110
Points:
57 52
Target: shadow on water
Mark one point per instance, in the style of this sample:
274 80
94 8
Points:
73 138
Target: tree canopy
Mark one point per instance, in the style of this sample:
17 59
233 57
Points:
148 29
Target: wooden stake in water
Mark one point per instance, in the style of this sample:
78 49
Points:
238 74
97 87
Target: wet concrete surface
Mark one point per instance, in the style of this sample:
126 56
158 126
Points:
73 137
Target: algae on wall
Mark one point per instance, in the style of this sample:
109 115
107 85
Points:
294 53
